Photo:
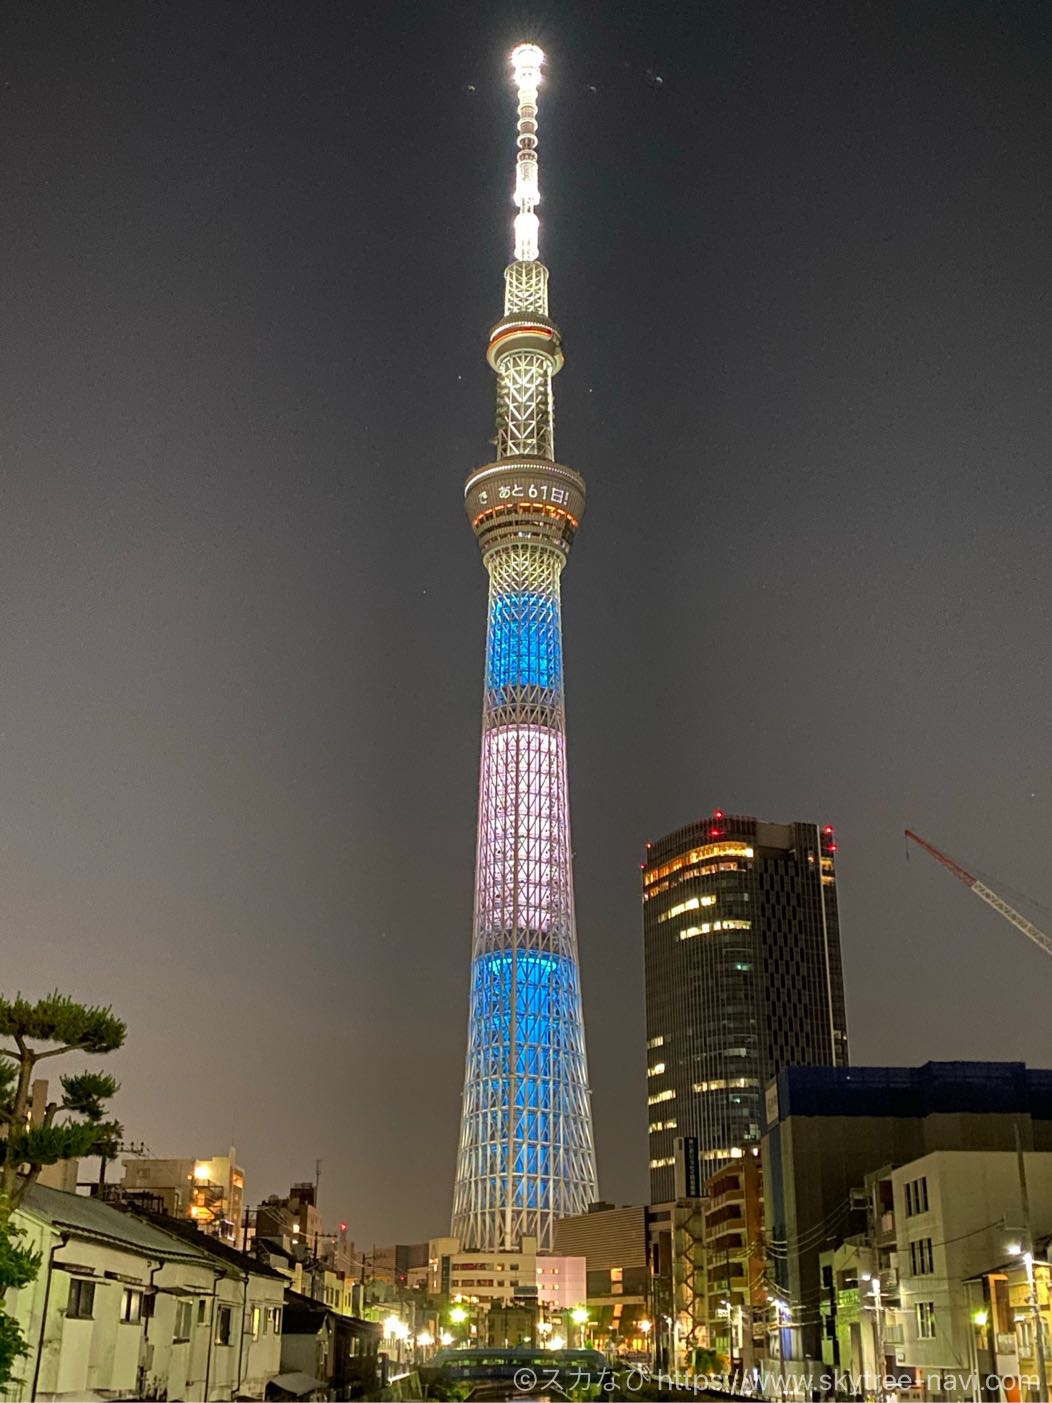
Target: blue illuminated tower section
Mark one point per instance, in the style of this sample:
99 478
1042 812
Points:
526 1155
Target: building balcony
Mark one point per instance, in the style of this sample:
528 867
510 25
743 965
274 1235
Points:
736 1195
885 1229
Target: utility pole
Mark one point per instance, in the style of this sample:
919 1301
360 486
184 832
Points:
1028 1258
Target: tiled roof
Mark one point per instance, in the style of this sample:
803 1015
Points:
97 1219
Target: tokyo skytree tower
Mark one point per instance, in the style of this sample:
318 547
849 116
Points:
526 1156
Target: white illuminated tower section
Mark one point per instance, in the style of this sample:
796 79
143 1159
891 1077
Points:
526 1156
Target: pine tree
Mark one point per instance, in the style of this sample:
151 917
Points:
71 1128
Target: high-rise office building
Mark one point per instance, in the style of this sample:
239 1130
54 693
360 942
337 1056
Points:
526 1156
743 977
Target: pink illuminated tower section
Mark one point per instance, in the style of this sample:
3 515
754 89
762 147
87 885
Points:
526 1156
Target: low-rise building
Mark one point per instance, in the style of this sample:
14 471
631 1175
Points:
914 1297
125 1308
337 1354
404 1264
482 1277
829 1130
954 1212
613 1242
1008 1304
210 1192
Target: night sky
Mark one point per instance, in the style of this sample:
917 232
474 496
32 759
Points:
800 254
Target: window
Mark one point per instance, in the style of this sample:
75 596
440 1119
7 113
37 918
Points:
131 1306
257 1322
81 1303
656 1069
659 1041
926 1320
273 1316
223 1314
921 1257
916 1197
184 1316
668 1095
202 1311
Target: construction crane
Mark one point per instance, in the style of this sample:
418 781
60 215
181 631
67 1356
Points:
982 890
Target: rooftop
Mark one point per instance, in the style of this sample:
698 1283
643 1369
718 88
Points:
91 1217
936 1088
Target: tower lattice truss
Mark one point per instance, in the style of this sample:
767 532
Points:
526 1153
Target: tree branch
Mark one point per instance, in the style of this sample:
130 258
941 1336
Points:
56 1051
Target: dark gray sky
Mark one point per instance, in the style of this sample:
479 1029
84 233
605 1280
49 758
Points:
250 254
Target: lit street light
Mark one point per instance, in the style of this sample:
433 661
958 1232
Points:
645 1327
1035 1311
579 1316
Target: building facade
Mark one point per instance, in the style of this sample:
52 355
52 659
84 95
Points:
210 1192
555 1282
1009 1305
830 1137
613 1242
735 1263
741 945
122 1308
526 1153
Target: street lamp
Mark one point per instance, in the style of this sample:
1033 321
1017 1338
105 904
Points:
579 1316
1039 1324
878 1306
396 1329
445 1339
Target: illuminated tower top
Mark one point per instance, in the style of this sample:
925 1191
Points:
526 62
525 496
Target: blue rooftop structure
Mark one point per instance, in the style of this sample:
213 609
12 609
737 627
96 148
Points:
936 1088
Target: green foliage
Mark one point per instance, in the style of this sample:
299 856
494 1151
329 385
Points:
71 1128
58 1019
13 1347
48 1144
86 1092
708 1361
18 1265
62 1026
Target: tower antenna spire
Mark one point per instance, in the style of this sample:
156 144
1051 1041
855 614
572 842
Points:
526 61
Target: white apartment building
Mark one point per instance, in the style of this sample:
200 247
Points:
123 1309
904 1296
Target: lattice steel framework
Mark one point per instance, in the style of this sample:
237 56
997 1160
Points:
526 1155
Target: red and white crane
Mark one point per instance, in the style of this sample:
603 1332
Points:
982 890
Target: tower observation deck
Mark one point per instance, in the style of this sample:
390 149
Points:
526 1155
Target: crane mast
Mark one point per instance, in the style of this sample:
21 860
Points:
982 890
